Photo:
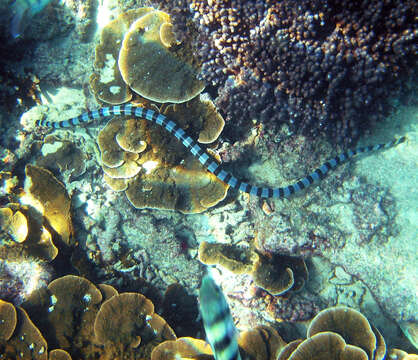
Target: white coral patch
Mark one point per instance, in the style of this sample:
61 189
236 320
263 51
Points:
149 166
49 148
114 90
107 73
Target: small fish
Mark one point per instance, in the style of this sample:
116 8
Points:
217 320
23 11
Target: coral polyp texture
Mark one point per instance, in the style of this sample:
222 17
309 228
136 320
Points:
317 65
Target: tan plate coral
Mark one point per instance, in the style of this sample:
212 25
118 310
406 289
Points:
49 196
126 326
275 274
36 228
261 343
86 321
326 346
58 354
28 233
182 348
19 337
138 51
106 81
154 169
337 333
137 325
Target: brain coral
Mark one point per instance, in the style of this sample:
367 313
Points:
317 65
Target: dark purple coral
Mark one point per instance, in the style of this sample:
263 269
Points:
317 65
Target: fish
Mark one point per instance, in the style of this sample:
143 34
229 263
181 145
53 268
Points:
217 321
23 11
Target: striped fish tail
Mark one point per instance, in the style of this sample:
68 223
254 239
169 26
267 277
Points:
217 320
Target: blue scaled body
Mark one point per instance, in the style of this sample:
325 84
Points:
23 11
219 326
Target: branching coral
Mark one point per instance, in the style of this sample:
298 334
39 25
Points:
316 65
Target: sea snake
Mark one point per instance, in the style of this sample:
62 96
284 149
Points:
206 159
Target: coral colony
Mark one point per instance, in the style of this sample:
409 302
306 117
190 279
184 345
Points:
92 313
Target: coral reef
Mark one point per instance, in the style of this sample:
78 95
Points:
63 157
147 172
396 354
353 327
95 322
20 278
19 336
335 333
184 347
337 228
49 197
316 65
260 343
